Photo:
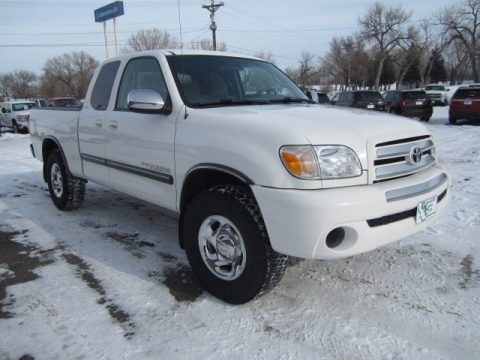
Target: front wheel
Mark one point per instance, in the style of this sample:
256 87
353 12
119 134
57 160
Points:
228 247
452 120
425 118
66 191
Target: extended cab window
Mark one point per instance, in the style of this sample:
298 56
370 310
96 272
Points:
141 73
103 86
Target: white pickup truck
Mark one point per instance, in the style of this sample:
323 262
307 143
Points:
252 169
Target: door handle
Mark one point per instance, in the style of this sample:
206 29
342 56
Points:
99 123
113 125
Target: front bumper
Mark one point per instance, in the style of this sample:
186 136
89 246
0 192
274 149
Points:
298 221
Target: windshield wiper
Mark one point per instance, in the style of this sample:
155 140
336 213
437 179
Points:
232 102
289 99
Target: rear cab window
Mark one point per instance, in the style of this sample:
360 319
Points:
102 89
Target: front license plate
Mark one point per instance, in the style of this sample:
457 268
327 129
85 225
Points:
426 209
370 106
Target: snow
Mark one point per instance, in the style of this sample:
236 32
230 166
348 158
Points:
113 283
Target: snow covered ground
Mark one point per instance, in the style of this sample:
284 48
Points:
109 282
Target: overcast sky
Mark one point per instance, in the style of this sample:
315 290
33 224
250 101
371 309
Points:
31 31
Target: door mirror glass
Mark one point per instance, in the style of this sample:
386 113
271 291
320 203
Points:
145 100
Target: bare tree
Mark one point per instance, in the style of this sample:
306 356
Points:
73 71
385 28
268 57
206 44
6 81
307 68
462 22
347 61
151 39
23 82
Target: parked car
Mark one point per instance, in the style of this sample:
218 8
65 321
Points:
64 102
465 104
438 93
39 102
410 103
15 115
319 97
365 99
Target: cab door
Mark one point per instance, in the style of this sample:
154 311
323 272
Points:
92 125
140 146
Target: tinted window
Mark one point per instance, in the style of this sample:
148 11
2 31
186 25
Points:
323 98
412 95
103 86
435 87
141 73
467 93
366 96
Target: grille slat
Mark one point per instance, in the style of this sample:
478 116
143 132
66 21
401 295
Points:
393 159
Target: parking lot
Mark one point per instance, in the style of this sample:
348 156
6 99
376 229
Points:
108 281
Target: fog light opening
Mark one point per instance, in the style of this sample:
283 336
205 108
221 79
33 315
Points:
335 238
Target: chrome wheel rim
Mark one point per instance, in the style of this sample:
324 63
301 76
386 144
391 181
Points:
57 180
222 247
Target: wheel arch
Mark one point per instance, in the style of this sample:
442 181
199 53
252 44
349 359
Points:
49 144
202 177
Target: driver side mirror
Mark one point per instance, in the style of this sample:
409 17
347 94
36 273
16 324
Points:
145 100
4 110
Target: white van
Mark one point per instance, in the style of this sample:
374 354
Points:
15 115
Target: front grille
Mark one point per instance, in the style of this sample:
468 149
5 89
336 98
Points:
394 159
385 220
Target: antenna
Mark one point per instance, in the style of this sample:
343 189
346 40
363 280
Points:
180 24
212 8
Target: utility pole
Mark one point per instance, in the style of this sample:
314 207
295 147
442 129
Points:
212 8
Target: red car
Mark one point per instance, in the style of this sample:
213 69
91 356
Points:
465 104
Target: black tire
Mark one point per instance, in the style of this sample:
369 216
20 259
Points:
15 128
452 120
425 118
261 267
66 191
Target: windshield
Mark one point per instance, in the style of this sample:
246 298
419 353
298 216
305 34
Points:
435 87
22 106
221 81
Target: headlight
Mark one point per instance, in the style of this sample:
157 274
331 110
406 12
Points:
321 162
22 117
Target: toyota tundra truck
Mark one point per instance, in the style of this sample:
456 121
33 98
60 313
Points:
251 168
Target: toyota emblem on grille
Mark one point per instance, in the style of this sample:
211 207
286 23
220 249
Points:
415 155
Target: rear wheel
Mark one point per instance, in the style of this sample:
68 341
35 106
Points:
452 120
425 118
228 247
66 191
15 128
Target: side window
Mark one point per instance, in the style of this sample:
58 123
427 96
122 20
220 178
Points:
141 73
103 86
